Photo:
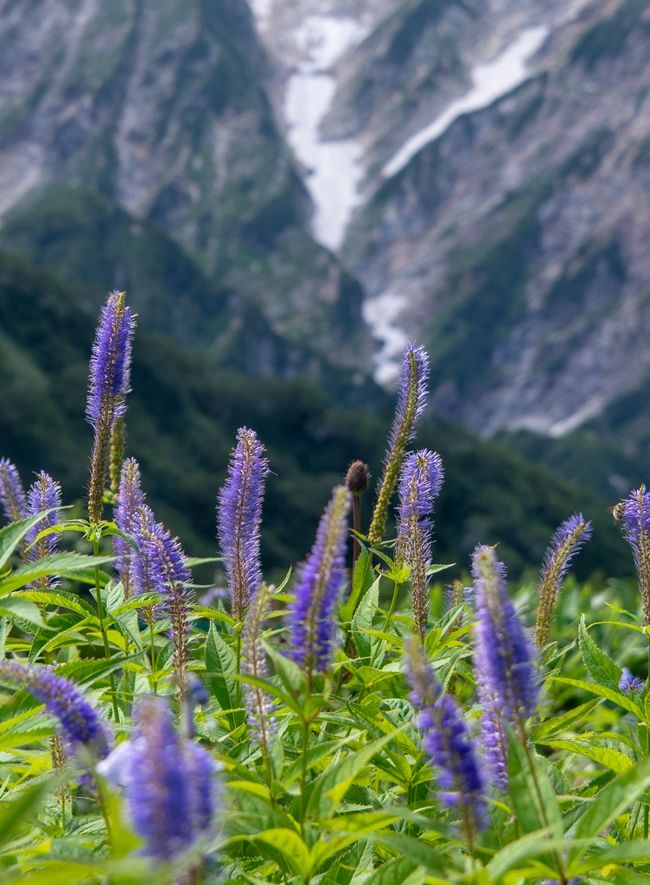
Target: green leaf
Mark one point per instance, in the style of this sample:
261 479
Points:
21 809
286 848
63 565
360 583
612 759
11 535
363 618
221 667
600 667
602 691
61 599
611 801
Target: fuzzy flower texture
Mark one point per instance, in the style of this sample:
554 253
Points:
446 740
317 588
636 528
169 782
80 723
129 497
239 515
12 493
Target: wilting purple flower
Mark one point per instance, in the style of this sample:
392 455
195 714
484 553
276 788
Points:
169 782
129 497
410 405
318 585
566 542
446 740
80 723
239 515
110 368
160 567
44 494
259 705
419 485
629 683
503 651
12 494
636 528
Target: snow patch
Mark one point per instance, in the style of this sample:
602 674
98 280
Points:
333 167
490 81
381 314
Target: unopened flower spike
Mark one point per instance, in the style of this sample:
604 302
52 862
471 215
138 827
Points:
318 586
259 705
419 485
81 725
565 544
44 494
636 528
12 493
410 405
446 741
110 368
239 516
129 497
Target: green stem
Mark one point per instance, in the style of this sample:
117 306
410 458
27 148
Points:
303 776
152 647
102 627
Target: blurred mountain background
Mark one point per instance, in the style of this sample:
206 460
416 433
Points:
289 191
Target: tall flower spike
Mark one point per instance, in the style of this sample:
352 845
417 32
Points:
419 485
160 567
80 723
129 497
44 494
169 781
636 528
110 369
446 740
566 542
259 704
410 405
317 588
503 652
12 494
239 515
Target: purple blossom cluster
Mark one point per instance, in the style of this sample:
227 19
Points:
129 497
318 586
81 726
636 528
446 740
239 515
12 493
44 494
169 782
110 364
630 683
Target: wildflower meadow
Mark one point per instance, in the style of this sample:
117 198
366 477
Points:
372 717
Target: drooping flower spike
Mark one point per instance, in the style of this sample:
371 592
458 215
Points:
81 725
110 369
565 544
420 482
318 586
169 782
44 494
129 497
12 493
410 405
446 741
239 515
636 528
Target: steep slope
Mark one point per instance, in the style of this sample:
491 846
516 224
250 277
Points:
159 110
518 238
182 420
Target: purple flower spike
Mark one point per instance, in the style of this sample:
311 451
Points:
169 782
80 724
239 515
636 528
410 405
317 588
629 683
259 705
12 494
129 497
566 542
446 740
419 485
160 567
44 494
504 655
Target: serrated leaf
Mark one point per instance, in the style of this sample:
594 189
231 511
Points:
612 759
220 670
63 565
11 535
602 691
20 809
363 619
286 848
599 666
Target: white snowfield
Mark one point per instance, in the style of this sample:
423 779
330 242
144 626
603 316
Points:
334 167
490 81
382 316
